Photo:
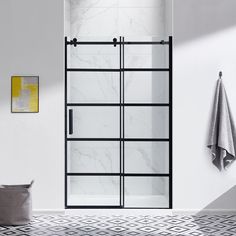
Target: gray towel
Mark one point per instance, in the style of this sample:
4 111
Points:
222 133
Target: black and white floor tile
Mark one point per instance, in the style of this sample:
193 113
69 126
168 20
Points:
119 225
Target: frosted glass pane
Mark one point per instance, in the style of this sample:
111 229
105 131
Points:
95 122
93 190
147 157
147 191
146 122
93 157
146 87
94 56
93 87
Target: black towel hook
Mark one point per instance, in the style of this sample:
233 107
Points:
220 74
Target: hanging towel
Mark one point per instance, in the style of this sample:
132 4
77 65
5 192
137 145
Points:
222 132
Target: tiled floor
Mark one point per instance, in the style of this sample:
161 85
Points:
117 225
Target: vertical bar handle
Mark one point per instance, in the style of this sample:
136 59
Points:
70 121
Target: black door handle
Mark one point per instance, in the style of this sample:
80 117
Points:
70 121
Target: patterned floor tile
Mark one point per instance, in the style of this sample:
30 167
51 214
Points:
120 225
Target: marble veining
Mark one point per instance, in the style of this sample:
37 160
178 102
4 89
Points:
141 21
95 185
118 17
95 157
93 3
96 122
146 87
96 20
105 87
142 118
141 3
149 157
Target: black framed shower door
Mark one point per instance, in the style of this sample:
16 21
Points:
118 124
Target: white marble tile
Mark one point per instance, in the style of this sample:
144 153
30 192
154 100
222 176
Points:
93 199
95 122
95 185
95 56
149 157
146 87
142 38
154 191
146 56
146 122
93 157
147 201
93 87
141 3
93 190
141 22
118 17
93 3
94 22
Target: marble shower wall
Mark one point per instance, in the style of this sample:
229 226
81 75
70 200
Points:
103 20
120 17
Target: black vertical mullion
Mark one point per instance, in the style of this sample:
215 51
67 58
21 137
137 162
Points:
123 95
65 123
170 124
120 128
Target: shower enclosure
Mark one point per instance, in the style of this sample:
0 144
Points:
118 123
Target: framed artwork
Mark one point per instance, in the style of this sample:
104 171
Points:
24 94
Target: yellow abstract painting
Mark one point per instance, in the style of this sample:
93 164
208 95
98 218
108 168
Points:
25 94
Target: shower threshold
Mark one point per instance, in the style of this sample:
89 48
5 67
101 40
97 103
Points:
109 200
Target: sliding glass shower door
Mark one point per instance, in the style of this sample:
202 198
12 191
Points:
118 131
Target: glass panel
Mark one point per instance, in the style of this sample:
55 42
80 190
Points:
146 55
146 87
146 122
95 122
147 191
93 190
94 56
93 87
149 157
93 157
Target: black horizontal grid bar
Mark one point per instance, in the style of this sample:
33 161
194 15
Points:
91 207
92 43
151 208
115 70
120 174
147 42
121 139
118 104
117 43
93 174
93 69
146 69
109 207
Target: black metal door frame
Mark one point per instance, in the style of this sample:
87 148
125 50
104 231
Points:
121 106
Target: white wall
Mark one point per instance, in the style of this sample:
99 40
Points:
32 145
204 44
